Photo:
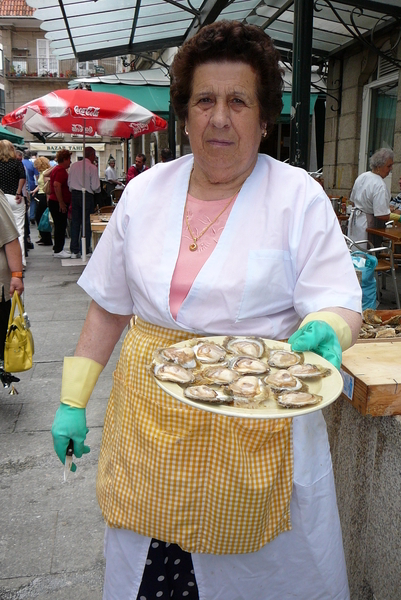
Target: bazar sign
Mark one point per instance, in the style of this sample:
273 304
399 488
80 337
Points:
66 146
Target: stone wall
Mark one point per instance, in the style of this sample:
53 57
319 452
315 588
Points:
366 454
346 79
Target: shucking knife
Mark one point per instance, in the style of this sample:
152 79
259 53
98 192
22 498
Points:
68 459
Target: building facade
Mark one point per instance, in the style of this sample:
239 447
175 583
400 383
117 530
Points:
363 112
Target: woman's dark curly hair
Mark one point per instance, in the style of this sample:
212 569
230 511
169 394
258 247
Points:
230 41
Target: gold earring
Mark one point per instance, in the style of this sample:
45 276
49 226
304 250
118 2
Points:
185 130
264 132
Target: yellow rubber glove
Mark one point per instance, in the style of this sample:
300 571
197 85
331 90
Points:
80 375
341 327
395 217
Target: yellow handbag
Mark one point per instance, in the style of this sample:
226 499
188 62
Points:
19 347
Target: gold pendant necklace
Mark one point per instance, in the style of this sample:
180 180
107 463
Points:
194 245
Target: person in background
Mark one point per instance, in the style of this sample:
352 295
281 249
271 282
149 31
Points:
31 173
10 276
42 164
59 201
199 504
370 198
395 203
166 155
111 174
138 168
92 185
12 181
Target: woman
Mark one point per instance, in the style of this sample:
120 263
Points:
42 164
224 241
59 201
371 198
10 276
12 180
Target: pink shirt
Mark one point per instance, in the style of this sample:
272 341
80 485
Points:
200 214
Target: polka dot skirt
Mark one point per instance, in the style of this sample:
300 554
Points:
169 573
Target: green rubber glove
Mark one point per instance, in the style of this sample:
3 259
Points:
319 337
70 424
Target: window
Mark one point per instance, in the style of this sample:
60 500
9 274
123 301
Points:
2 102
379 103
47 63
86 68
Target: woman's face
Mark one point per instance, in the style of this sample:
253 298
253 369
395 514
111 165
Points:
384 170
223 120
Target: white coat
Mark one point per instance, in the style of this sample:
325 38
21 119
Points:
281 256
371 198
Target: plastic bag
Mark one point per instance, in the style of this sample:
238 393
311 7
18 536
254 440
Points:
365 264
44 223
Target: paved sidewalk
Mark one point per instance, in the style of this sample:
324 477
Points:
51 533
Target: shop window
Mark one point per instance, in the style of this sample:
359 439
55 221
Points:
382 118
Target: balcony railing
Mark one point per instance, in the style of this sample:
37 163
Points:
32 66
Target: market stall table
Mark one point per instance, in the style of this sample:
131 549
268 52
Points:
98 225
393 234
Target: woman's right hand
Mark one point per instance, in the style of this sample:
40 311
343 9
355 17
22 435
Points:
62 207
70 424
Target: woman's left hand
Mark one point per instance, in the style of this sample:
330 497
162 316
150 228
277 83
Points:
16 284
319 337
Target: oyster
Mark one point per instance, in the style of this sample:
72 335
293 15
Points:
245 365
282 359
393 321
385 332
370 316
206 393
308 371
218 374
208 352
298 399
245 346
248 386
173 373
183 356
283 380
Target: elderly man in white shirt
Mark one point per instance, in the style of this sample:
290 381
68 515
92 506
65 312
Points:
92 185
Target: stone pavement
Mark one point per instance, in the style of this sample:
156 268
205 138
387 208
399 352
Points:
51 533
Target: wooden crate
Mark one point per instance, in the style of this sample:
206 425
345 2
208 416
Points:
372 377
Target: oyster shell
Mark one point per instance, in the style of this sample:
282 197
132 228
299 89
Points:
245 365
308 371
248 386
173 373
370 316
218 374
245 346
283 380
206 393
298 399
183 356
282 359
385 332
209 352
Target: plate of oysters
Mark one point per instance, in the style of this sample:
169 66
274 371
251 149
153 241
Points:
246 377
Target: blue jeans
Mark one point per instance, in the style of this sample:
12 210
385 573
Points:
76 220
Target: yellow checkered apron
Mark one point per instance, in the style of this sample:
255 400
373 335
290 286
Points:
210 483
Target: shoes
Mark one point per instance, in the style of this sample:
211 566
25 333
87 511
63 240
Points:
30 245
33 221
40 243
75 255
62 254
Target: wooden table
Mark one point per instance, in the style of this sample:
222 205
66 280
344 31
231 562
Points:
393 234
97 228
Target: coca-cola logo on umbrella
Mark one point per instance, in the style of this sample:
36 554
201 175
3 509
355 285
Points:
89 111
77 128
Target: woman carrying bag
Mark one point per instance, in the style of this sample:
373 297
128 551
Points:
42 164
10 275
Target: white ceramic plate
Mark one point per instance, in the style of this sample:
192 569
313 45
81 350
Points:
329 388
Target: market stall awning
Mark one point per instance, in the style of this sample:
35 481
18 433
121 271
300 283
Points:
5 134
89 30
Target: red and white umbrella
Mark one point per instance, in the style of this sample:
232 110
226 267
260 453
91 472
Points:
87 113
84 112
